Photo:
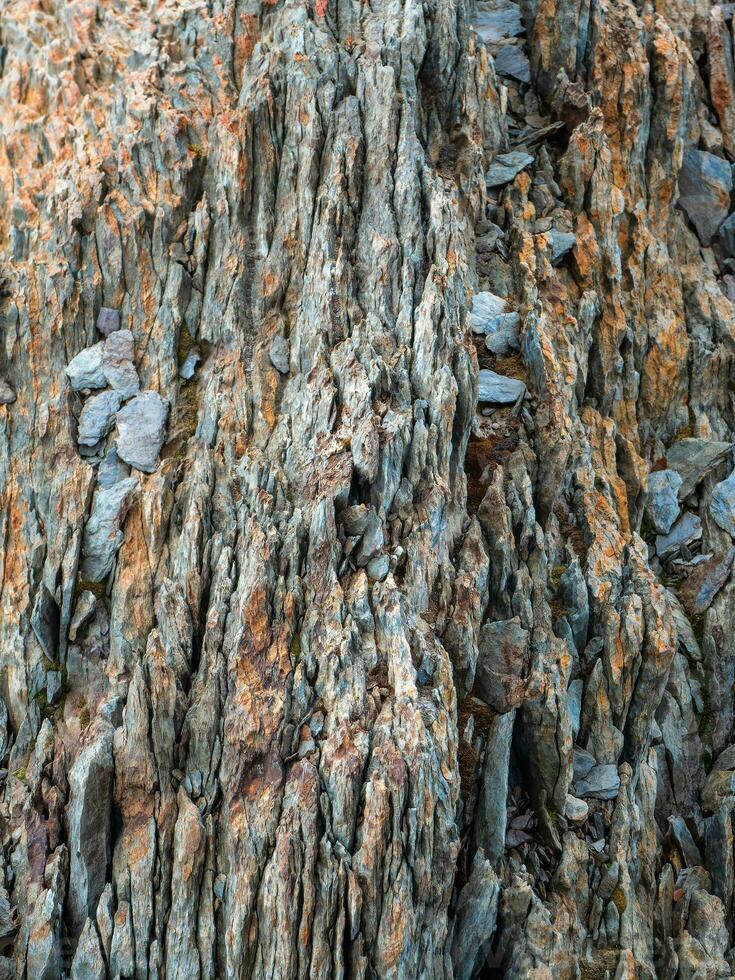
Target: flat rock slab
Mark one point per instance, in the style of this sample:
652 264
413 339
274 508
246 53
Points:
98 417
686 531
506 166
497 20
722 505
562 242
86 370
141 429
705 182
600 783
497 389
511 62
705 581
693 459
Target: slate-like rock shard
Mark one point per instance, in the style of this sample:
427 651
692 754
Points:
141 430
366 539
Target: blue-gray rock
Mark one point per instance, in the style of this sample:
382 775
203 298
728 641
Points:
108 321
576 811
497 389
513 63
583 763
562 242
103 530
705 581
726 235
686 531
506 166
112 469
141 429
497 19
722 505
188 368
600 783
98 417
503 334
86 370
117 363
705 182
662 506
693 459
280 354
486 308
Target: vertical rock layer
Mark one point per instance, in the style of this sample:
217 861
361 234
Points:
366 422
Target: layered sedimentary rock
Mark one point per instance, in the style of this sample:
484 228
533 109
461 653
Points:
366 496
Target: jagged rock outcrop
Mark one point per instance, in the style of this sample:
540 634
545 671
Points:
366 489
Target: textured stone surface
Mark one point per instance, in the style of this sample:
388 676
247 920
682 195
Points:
315 688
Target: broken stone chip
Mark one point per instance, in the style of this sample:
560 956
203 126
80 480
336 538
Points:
506 166
498 389
86 369
118 366
7 395
722 505
108 321
103 532
98 417
141 429
662 506
705 182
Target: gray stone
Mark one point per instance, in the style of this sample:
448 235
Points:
492 796
486 308
574 704
722 505
693 459
498 389
513 63
497 20
503 335
726 235
662 506
98 417
600 783
45 621
475 918
705 182
188 368
684 841
280 355
53 686
584 762
141 429
88 962
576 811
7 395
705 581
112 470
108 321
88 815
562 242
377 568
686 531
506 166
86 370
84 608
103 534
117 362
502 664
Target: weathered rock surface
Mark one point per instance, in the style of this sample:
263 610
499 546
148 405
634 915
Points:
365 436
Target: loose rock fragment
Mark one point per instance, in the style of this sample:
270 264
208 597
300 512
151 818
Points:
103 531
705 182
498 389
600 783
562 243
86 369
576 811
141 429
511 61
279 353
722 505
693 459
506 166
495 20
98 417
685 532
705 581
108 321
7 395
662 508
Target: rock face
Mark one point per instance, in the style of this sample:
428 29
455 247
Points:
366 439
